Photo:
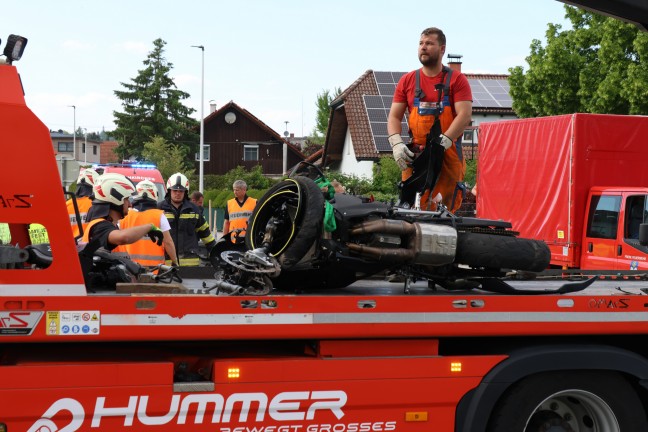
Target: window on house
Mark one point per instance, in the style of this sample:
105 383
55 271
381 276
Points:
250 152
206 153
65 147
94 149
83 148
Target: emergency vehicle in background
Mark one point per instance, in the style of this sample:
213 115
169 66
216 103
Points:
355 361
579 182
135 172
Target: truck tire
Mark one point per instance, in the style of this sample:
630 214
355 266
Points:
570 401
301 219
501 252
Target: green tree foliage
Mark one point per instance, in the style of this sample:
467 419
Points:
153 107
254 179
218 189
323 105
599 66
471 173
386 175
169 158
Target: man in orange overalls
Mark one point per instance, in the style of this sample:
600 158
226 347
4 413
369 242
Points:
432 93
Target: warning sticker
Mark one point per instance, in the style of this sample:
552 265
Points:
73 323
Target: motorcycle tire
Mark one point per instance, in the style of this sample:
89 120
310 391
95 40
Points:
303 205
501 252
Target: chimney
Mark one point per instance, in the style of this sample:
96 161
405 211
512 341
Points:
212 106
454 62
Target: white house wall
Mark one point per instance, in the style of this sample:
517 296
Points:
350 165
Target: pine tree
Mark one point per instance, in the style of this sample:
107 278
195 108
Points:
152 107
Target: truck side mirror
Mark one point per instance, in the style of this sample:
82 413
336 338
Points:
643 234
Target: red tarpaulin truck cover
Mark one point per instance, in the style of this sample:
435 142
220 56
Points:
536 173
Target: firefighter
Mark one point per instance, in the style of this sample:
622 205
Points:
145 211
85 182
187 222
238 211
432 93
110 205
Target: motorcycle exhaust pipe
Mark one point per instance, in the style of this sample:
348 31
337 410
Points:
383 254
386 226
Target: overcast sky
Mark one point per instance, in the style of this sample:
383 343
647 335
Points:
270 57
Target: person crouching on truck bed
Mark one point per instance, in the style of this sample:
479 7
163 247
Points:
145 211
186 220
85 183
110 205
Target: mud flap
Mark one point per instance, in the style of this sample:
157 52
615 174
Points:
499 286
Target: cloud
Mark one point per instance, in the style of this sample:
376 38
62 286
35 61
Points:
132 47
77 45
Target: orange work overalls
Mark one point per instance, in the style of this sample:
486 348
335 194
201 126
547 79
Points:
421 119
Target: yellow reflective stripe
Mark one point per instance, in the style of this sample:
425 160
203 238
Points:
188 216
189 261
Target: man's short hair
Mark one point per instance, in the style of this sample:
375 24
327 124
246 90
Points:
196 195
433 30
240 184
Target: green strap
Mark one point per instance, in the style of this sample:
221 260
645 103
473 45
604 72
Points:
329 217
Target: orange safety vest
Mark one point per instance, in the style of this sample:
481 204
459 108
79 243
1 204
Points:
143 251
239 215
86 232
421 119
84 204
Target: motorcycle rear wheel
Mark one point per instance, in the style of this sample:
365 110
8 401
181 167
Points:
492 251
301 205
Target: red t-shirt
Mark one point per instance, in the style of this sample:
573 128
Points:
459 88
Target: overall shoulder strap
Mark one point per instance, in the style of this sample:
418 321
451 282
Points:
418 92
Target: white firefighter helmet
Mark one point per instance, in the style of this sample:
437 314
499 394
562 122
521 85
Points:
178 181
113 188
146 189
87 176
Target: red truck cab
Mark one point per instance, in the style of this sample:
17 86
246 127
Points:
611 236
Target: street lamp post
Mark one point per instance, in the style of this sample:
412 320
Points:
74 132
202 119
85 146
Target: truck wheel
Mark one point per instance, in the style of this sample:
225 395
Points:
569 401
501 252
297 204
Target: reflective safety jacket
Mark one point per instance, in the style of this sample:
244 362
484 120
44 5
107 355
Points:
240 213
187 226
143 251
84 204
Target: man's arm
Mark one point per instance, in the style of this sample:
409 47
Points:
226 226
458 125
402 155
129 235
396 113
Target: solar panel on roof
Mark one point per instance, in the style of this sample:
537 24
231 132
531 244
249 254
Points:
490 93
378 106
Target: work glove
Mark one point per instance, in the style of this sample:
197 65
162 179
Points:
445 141
156 235
402 155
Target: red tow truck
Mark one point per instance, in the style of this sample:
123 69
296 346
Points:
362 359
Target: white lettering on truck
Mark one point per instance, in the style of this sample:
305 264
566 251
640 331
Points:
284 406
